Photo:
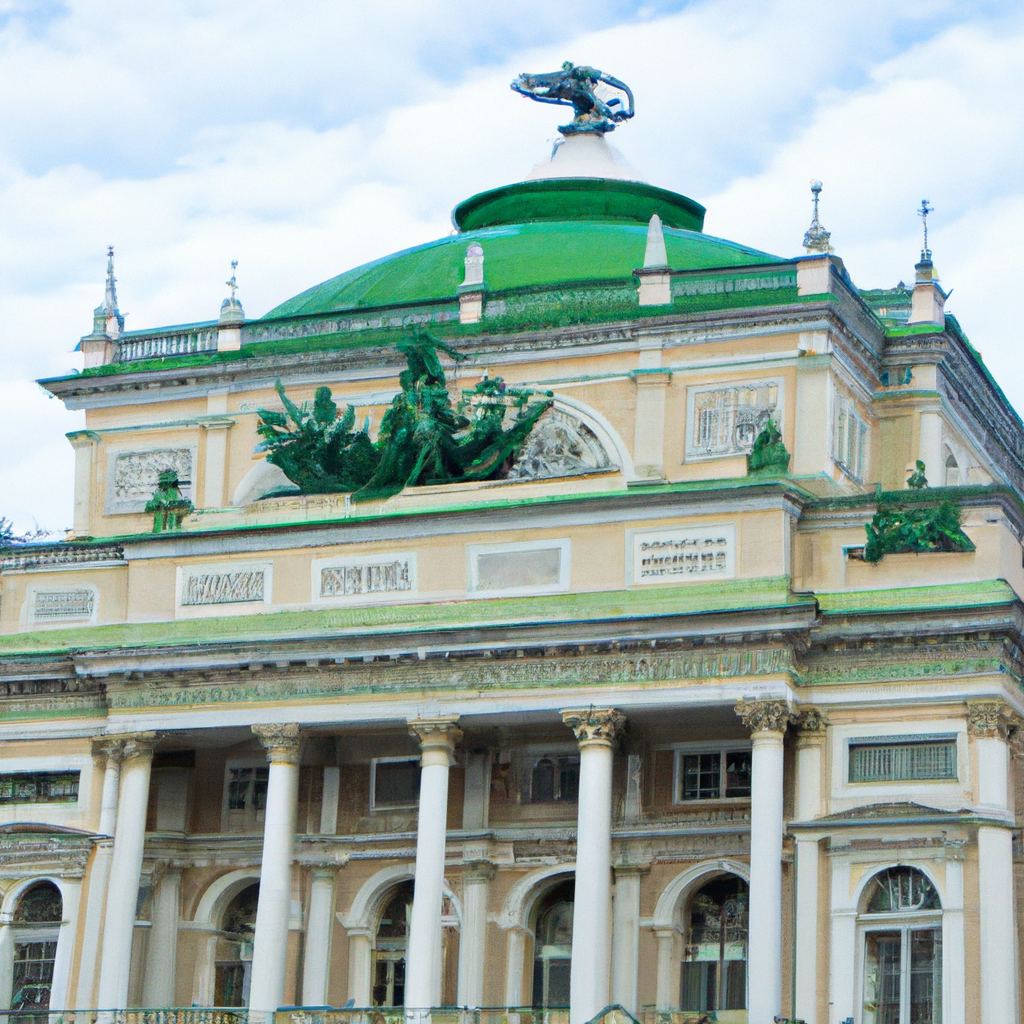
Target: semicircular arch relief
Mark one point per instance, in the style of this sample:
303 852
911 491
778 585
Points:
561 444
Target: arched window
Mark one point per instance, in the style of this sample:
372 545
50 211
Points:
952 471
552 947
37 919
902 926
715 965
234 964
392 940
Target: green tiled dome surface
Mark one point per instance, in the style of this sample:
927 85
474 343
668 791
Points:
515 256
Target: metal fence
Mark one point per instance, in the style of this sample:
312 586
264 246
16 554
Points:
164 1015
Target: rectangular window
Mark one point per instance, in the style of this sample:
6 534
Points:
726 420
930 758
553 780
396 782
247 788
849 438
33 974
713 774
39 787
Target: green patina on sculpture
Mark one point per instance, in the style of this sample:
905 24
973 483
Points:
169 508
769 452
423 438
576 85
898 530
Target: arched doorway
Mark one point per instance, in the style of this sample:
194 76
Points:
391 940
714 969
233 968
36 923
901 922
552 949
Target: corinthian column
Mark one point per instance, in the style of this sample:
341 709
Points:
590 982
125 867
107 755
437 737
987 725
767 720
270 943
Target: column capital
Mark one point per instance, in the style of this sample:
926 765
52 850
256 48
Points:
106 750
625 869
988 718
765 714
478 872
437 737
136 745
594 725
83 438
283 743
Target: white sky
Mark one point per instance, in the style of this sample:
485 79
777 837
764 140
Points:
304 138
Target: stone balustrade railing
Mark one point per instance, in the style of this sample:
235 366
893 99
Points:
162 1015
173 343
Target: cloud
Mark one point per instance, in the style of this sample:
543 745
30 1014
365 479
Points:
304 139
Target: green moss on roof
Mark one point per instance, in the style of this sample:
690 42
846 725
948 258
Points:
625 605
515 256
912 599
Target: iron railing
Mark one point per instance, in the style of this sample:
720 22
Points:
162 1015
434 1015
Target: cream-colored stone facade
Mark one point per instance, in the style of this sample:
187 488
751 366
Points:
654 674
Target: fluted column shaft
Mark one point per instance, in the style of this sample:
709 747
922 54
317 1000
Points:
126 868
590 982
108 754
423 963
767 721
270 943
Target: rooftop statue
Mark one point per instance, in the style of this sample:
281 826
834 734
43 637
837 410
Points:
599 100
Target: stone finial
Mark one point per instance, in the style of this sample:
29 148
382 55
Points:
655 275
816 238
100 347
594 725
283 743
232 316
987 718
655 254
471 291
765 714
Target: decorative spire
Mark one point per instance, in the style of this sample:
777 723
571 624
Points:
926 208
107 321
110 296
654 253
231 311
816 238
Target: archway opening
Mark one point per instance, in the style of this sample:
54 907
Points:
901 921
552 957
391 941
233 972
36 924
714 969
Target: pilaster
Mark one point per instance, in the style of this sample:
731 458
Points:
85 443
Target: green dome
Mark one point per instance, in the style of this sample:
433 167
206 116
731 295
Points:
600 238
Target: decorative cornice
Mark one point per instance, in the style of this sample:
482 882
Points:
988 718
594 725
283 743
765 714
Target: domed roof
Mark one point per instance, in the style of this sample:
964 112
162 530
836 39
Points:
543 232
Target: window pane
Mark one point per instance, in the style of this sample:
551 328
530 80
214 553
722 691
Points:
702 776
901 889
735 992
737 773
558 983
882 978
926 976
569 779
38 787
396 783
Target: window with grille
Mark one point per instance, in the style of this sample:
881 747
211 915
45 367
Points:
396 782
898 759
39 787
712 774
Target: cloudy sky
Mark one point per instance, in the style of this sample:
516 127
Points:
306 137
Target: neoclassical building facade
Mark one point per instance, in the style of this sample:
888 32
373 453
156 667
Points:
632 720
